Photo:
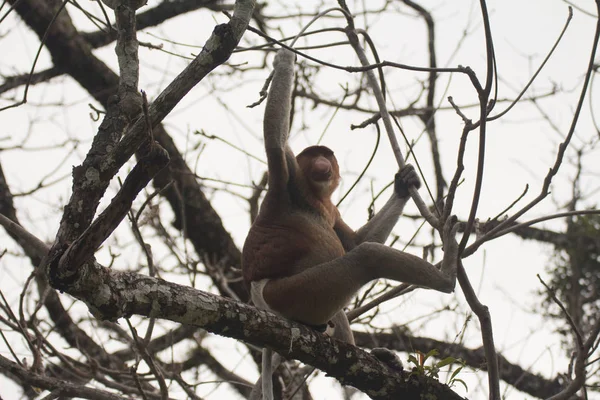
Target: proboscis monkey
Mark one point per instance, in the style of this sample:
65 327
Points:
300 259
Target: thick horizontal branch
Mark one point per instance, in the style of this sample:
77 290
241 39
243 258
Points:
112 295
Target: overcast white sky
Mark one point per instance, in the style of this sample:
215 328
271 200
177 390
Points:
521 148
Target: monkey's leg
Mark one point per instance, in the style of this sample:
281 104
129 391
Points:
314 295
267 374
341 326
257 390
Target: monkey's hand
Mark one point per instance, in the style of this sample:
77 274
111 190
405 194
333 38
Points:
284 58
404 179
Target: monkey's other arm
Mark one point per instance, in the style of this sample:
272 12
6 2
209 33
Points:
380 226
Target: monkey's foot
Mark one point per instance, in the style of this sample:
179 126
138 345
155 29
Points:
389 357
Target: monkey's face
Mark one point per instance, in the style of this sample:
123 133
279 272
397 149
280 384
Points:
320 169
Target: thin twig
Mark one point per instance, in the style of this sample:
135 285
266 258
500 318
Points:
562 148
387 121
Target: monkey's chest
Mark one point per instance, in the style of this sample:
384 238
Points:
288 247
321 244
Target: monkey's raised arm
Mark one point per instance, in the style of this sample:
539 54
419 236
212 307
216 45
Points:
276 124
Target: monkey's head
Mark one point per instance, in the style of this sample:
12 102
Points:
321 170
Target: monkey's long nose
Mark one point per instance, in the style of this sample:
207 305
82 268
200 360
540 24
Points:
321 170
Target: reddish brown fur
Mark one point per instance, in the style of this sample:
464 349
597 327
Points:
294 229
